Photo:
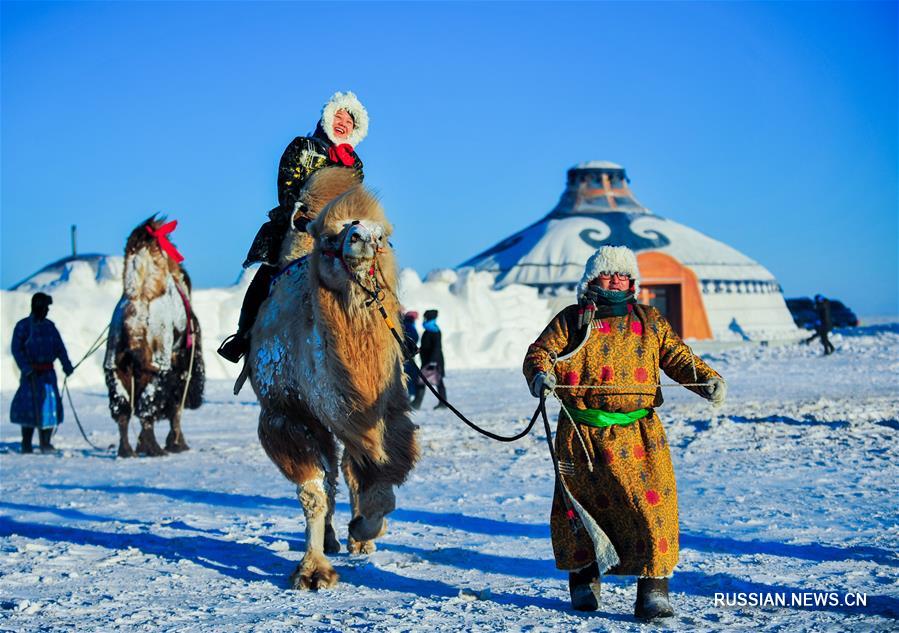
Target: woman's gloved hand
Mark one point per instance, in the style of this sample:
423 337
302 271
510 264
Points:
542 383
716 391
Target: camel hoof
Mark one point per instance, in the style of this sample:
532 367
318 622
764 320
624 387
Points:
361 547
363 529
312 574
332 545
126 451
150 449
175 445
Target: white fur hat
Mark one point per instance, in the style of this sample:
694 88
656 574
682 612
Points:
611 259
349 102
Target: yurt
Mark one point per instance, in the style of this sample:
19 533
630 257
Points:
706 289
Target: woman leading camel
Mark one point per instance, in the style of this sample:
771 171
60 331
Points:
615 510
343 125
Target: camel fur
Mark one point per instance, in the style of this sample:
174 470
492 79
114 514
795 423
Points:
327 370
147 353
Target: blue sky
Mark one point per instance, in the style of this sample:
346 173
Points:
769 126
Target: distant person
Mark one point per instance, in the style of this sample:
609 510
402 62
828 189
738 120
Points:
615 510
36 344
410 334
431 359
343 125
823 325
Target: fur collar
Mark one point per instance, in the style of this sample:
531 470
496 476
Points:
349 102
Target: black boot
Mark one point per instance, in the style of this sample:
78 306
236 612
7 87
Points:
46 446
584 586
235 346
27 435
652 599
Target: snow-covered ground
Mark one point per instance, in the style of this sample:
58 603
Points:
789 488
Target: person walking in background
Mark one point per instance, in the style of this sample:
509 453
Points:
410 334
431 359
36 344
343 125
824 324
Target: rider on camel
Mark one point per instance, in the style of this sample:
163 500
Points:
343 125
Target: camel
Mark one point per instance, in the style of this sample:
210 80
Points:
154 343
326 369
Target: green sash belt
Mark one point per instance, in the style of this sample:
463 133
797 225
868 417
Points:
600 418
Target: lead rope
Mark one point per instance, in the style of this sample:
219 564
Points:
376 296
190 369
577 431
96 345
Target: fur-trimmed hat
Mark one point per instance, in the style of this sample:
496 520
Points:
349 102
610 259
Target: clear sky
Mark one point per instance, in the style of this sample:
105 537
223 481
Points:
769 126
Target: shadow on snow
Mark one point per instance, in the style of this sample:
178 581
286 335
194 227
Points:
480 525
234 560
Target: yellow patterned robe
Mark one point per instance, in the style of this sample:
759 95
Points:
630 493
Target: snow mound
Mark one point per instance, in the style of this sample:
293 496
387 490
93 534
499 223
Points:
482 327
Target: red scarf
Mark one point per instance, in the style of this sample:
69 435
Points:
163 241
342 153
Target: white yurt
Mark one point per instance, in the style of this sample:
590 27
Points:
706 289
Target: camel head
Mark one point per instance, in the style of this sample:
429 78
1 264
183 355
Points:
147 262
350 234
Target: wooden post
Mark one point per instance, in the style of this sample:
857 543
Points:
74 240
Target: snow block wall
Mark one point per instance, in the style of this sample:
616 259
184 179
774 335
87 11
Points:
482 327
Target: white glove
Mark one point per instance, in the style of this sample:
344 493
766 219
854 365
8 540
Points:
716 391
542 382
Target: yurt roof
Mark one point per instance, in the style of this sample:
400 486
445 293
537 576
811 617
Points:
597 208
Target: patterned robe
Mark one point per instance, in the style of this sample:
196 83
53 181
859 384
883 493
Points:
630 493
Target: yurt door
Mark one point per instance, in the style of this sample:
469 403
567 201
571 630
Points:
674 290
667 298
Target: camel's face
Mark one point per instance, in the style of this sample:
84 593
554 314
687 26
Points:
357 245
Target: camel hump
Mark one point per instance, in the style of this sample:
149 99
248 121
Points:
326 184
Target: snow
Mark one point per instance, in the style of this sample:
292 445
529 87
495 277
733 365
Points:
788 488
482 327
598 164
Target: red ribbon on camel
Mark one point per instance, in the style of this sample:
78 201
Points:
163 241
342 153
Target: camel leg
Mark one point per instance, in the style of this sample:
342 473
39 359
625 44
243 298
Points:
314 571
372 484
332 544
146 441
305 452
125 449
364 528
175 442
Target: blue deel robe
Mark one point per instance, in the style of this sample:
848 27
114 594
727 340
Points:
37 402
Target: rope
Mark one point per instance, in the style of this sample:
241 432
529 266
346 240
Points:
560 485
96 345
190 369
576 428
65 387
376 295
663 384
